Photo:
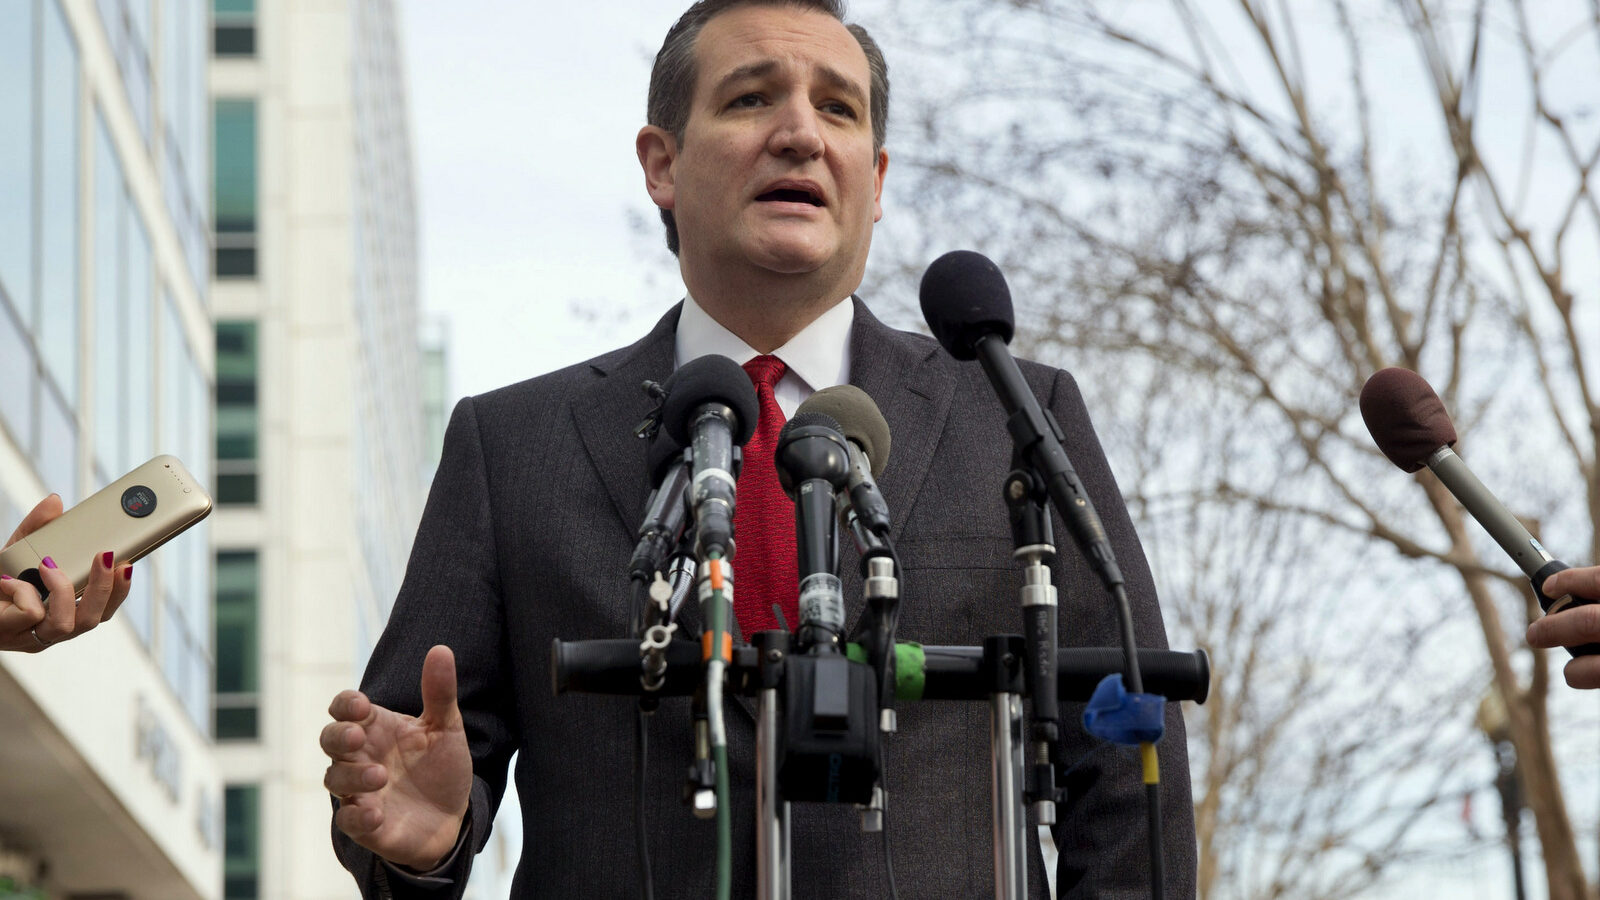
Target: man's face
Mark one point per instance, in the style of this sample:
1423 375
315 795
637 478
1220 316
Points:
776 167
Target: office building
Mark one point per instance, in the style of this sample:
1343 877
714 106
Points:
322 448
111 788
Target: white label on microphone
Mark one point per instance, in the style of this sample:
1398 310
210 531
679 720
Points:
822 601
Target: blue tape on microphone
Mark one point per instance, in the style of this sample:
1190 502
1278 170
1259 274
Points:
1123 718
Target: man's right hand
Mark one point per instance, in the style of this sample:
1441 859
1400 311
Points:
403 783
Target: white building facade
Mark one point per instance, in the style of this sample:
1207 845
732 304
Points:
108 783
322 454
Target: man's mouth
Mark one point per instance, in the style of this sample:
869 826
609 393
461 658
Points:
791 195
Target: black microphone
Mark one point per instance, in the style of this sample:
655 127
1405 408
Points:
1410 425
711 408
666 510
968 307
867 434
813 462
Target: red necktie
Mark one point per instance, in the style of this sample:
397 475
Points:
766 570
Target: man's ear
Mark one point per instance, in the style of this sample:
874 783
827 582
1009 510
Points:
657 150
881 169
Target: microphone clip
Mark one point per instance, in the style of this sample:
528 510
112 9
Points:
651 424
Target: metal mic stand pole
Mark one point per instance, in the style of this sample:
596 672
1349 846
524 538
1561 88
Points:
1002 663
772 811
1028 502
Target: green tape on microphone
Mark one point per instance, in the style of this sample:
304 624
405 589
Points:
910 675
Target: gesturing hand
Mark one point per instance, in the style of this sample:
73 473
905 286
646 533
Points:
403 783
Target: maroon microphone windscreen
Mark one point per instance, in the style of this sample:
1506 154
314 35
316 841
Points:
1406 418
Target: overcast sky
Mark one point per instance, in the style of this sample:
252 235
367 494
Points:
524 116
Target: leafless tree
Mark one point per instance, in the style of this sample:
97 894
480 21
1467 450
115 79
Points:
1226 216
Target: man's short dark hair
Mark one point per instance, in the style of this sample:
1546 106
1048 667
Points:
673 75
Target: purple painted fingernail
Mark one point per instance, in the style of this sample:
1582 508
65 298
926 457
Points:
127 573
105 559
49 563
5 577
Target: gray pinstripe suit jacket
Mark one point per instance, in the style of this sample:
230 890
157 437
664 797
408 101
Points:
527 535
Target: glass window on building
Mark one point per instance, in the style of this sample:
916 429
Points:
127 25
238 412
233 189
16 158
109 326
57 459
59 344
233 27
184 572
20 374
185 110
241 842
237 698
139 436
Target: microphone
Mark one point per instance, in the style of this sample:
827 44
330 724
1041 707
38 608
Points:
1409 424
711 408
867 437
666 510
813 462
968 307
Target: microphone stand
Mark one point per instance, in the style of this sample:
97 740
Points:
1027 500
772 811
1000 669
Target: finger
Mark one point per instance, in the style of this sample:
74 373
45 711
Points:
358 819
439 687
1583 582
47 509
20 611
343 741
120 586
352 779
96 592
61 611
1583 672
350 706
1568 628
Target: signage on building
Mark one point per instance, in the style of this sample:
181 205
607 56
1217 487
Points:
155 748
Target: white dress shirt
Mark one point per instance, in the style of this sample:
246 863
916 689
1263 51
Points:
817 357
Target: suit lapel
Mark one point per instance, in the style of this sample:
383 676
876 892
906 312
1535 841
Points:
605 416
901 373
606 413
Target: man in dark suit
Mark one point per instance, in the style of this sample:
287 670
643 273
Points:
765 154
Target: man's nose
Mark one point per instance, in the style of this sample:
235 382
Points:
796 131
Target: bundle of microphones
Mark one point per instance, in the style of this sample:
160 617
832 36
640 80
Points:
841 689
828 456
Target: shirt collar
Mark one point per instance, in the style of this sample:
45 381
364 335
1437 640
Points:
819 355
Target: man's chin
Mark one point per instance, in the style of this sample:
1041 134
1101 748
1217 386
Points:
791 257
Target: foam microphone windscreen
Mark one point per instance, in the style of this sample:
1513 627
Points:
709 379
803 419
858 418
964 297
1407 419
786 478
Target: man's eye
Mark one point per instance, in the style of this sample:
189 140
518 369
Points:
839 109
747 101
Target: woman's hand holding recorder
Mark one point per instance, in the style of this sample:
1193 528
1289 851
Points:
30 623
